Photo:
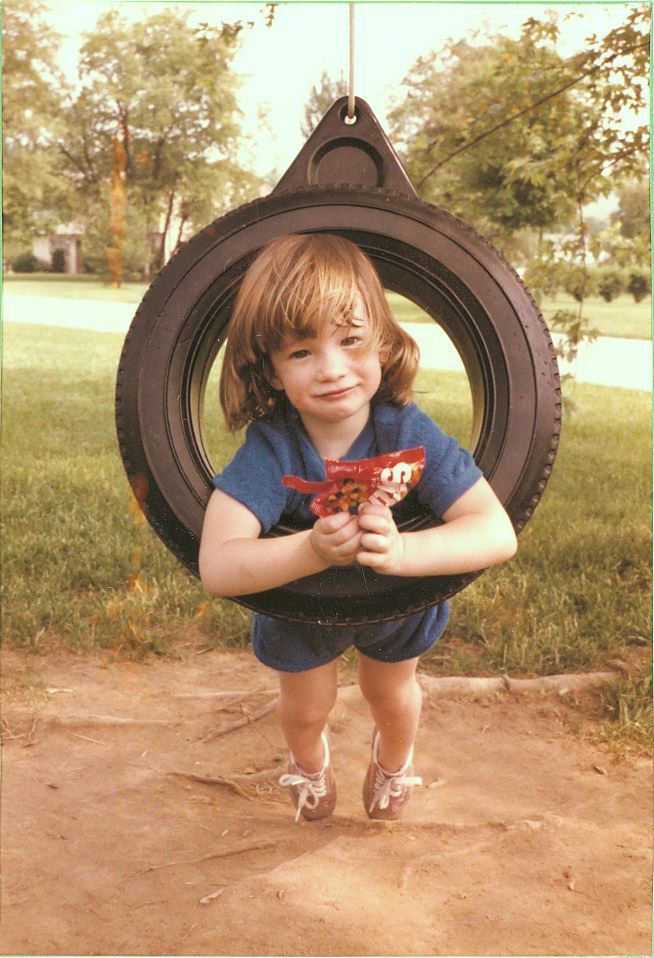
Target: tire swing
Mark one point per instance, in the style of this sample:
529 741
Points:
346 180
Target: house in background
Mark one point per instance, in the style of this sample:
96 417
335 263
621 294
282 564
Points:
67 237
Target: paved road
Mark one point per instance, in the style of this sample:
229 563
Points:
607 361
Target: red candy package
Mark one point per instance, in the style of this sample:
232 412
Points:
382 480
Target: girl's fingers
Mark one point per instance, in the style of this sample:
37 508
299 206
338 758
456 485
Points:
371 509
347 533
372 559
374 523
327 525
339 527
375 543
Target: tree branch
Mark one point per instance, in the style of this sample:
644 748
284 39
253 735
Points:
76 163
527 109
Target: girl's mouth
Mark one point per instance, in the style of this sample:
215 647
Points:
336 393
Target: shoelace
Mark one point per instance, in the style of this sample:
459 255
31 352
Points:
311 789
390 786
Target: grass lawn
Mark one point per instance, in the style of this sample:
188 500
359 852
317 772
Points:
82 567
63 286
623 317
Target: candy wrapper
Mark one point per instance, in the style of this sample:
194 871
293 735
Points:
382 480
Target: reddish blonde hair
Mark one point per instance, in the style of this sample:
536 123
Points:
296 287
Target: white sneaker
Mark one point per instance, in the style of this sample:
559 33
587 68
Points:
313 794
386 793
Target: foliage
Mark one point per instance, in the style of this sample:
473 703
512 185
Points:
627 705
321 97
509 133
26 263
625 242
506 184
29 70
168 89
639 284
622 318
633 214
613 247
580 285
97 240
31 111
609 283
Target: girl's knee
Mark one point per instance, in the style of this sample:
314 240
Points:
303 710
392 697
304 717
306 698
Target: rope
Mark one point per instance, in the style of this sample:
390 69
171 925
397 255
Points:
350 94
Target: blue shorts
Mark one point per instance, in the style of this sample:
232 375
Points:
297 647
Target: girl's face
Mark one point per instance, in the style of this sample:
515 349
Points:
331 378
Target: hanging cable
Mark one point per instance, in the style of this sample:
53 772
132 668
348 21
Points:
350 95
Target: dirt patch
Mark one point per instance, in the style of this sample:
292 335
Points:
523 840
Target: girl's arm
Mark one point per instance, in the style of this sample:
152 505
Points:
235 561
477 533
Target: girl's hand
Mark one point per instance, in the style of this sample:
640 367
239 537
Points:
336 538
382 546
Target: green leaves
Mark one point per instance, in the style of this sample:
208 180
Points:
531 114
512 136
167 87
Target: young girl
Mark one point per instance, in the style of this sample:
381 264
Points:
319 368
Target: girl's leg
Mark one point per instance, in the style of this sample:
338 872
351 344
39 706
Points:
395 700
306 699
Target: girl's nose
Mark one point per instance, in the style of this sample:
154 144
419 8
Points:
332 364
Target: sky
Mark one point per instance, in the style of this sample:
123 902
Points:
281 63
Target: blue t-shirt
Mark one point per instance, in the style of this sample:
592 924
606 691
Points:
282 447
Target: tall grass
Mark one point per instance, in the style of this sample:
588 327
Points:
82 567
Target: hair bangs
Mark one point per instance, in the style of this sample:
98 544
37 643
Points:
298 287
307 296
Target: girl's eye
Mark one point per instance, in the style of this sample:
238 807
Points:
351 341
299 354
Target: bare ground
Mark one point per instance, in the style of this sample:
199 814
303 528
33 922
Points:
525 838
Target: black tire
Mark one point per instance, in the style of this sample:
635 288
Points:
420 252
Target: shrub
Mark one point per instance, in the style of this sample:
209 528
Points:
575 286
609 284
639 284
25 263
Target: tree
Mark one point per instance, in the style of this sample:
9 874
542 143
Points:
510 134
168 90
31 105
625 241
452 99
321 97
633 214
